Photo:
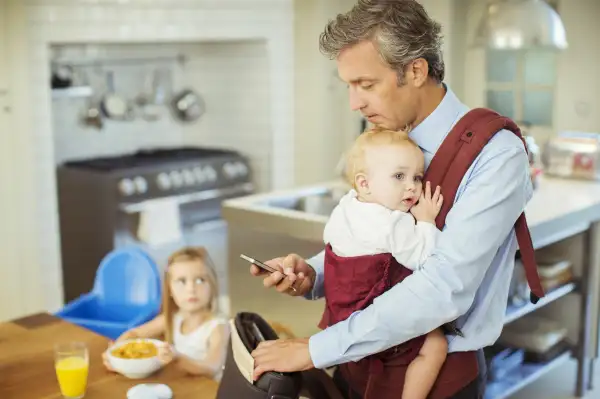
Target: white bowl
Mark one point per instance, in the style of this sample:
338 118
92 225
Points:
134 368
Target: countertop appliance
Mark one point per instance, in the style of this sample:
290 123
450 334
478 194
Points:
573 155
159 199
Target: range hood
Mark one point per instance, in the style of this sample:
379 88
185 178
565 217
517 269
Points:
521 25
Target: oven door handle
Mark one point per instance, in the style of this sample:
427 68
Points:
239 189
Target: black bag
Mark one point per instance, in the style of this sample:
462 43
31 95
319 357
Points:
247 331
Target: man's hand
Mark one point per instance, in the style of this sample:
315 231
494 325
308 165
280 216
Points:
292 270
282 355
428 207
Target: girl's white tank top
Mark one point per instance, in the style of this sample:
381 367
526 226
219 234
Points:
195 344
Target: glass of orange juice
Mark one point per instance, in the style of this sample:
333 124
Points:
71 362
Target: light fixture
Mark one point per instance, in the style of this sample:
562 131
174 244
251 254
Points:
521 25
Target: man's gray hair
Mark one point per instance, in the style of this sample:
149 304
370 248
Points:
401 30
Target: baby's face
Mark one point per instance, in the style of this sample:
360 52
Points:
394 175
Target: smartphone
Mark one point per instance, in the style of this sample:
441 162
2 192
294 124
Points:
262 265
258 263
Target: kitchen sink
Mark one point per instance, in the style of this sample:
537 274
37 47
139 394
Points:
319 201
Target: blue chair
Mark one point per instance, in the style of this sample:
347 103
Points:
126 294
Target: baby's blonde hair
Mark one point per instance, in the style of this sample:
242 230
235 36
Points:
355 157
169 306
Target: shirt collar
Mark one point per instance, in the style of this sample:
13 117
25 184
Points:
430 133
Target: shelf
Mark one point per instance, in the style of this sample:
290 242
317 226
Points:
522 376
72 92
515 312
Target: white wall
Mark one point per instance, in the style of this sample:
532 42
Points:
444 12
578 89
324 124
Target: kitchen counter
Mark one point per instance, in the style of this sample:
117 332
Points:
559 209
256 211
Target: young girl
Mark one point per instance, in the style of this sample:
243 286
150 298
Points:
196 337
386 212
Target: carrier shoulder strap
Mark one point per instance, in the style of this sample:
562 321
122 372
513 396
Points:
454 158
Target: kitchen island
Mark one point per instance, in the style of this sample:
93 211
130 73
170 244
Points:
561 211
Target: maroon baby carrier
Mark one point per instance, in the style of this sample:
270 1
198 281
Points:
352 283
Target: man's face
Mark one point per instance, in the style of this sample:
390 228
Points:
373 87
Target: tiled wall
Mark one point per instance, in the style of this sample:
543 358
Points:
231 77
252 115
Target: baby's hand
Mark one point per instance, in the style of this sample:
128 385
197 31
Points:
428 207
165 353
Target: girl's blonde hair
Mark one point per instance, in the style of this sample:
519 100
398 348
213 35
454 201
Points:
355 157
169 306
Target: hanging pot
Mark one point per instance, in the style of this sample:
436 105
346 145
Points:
187 105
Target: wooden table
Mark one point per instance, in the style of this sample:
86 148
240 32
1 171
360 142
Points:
27 364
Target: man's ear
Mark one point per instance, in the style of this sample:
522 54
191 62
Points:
361 183
417 72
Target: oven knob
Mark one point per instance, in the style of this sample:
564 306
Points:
126 187
176 179
188 177
163 181
210 173
140 184
230 170
199 174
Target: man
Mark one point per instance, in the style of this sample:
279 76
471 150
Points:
389 54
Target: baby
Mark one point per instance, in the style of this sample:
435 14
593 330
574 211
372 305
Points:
386 212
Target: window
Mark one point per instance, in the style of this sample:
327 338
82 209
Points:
520 84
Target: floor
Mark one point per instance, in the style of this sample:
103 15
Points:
558 384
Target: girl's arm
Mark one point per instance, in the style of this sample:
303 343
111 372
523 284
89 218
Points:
217 351
155 328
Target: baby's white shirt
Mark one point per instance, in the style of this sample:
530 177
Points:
195 344
357 228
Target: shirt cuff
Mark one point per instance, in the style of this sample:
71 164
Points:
324 348
318 285
430 228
